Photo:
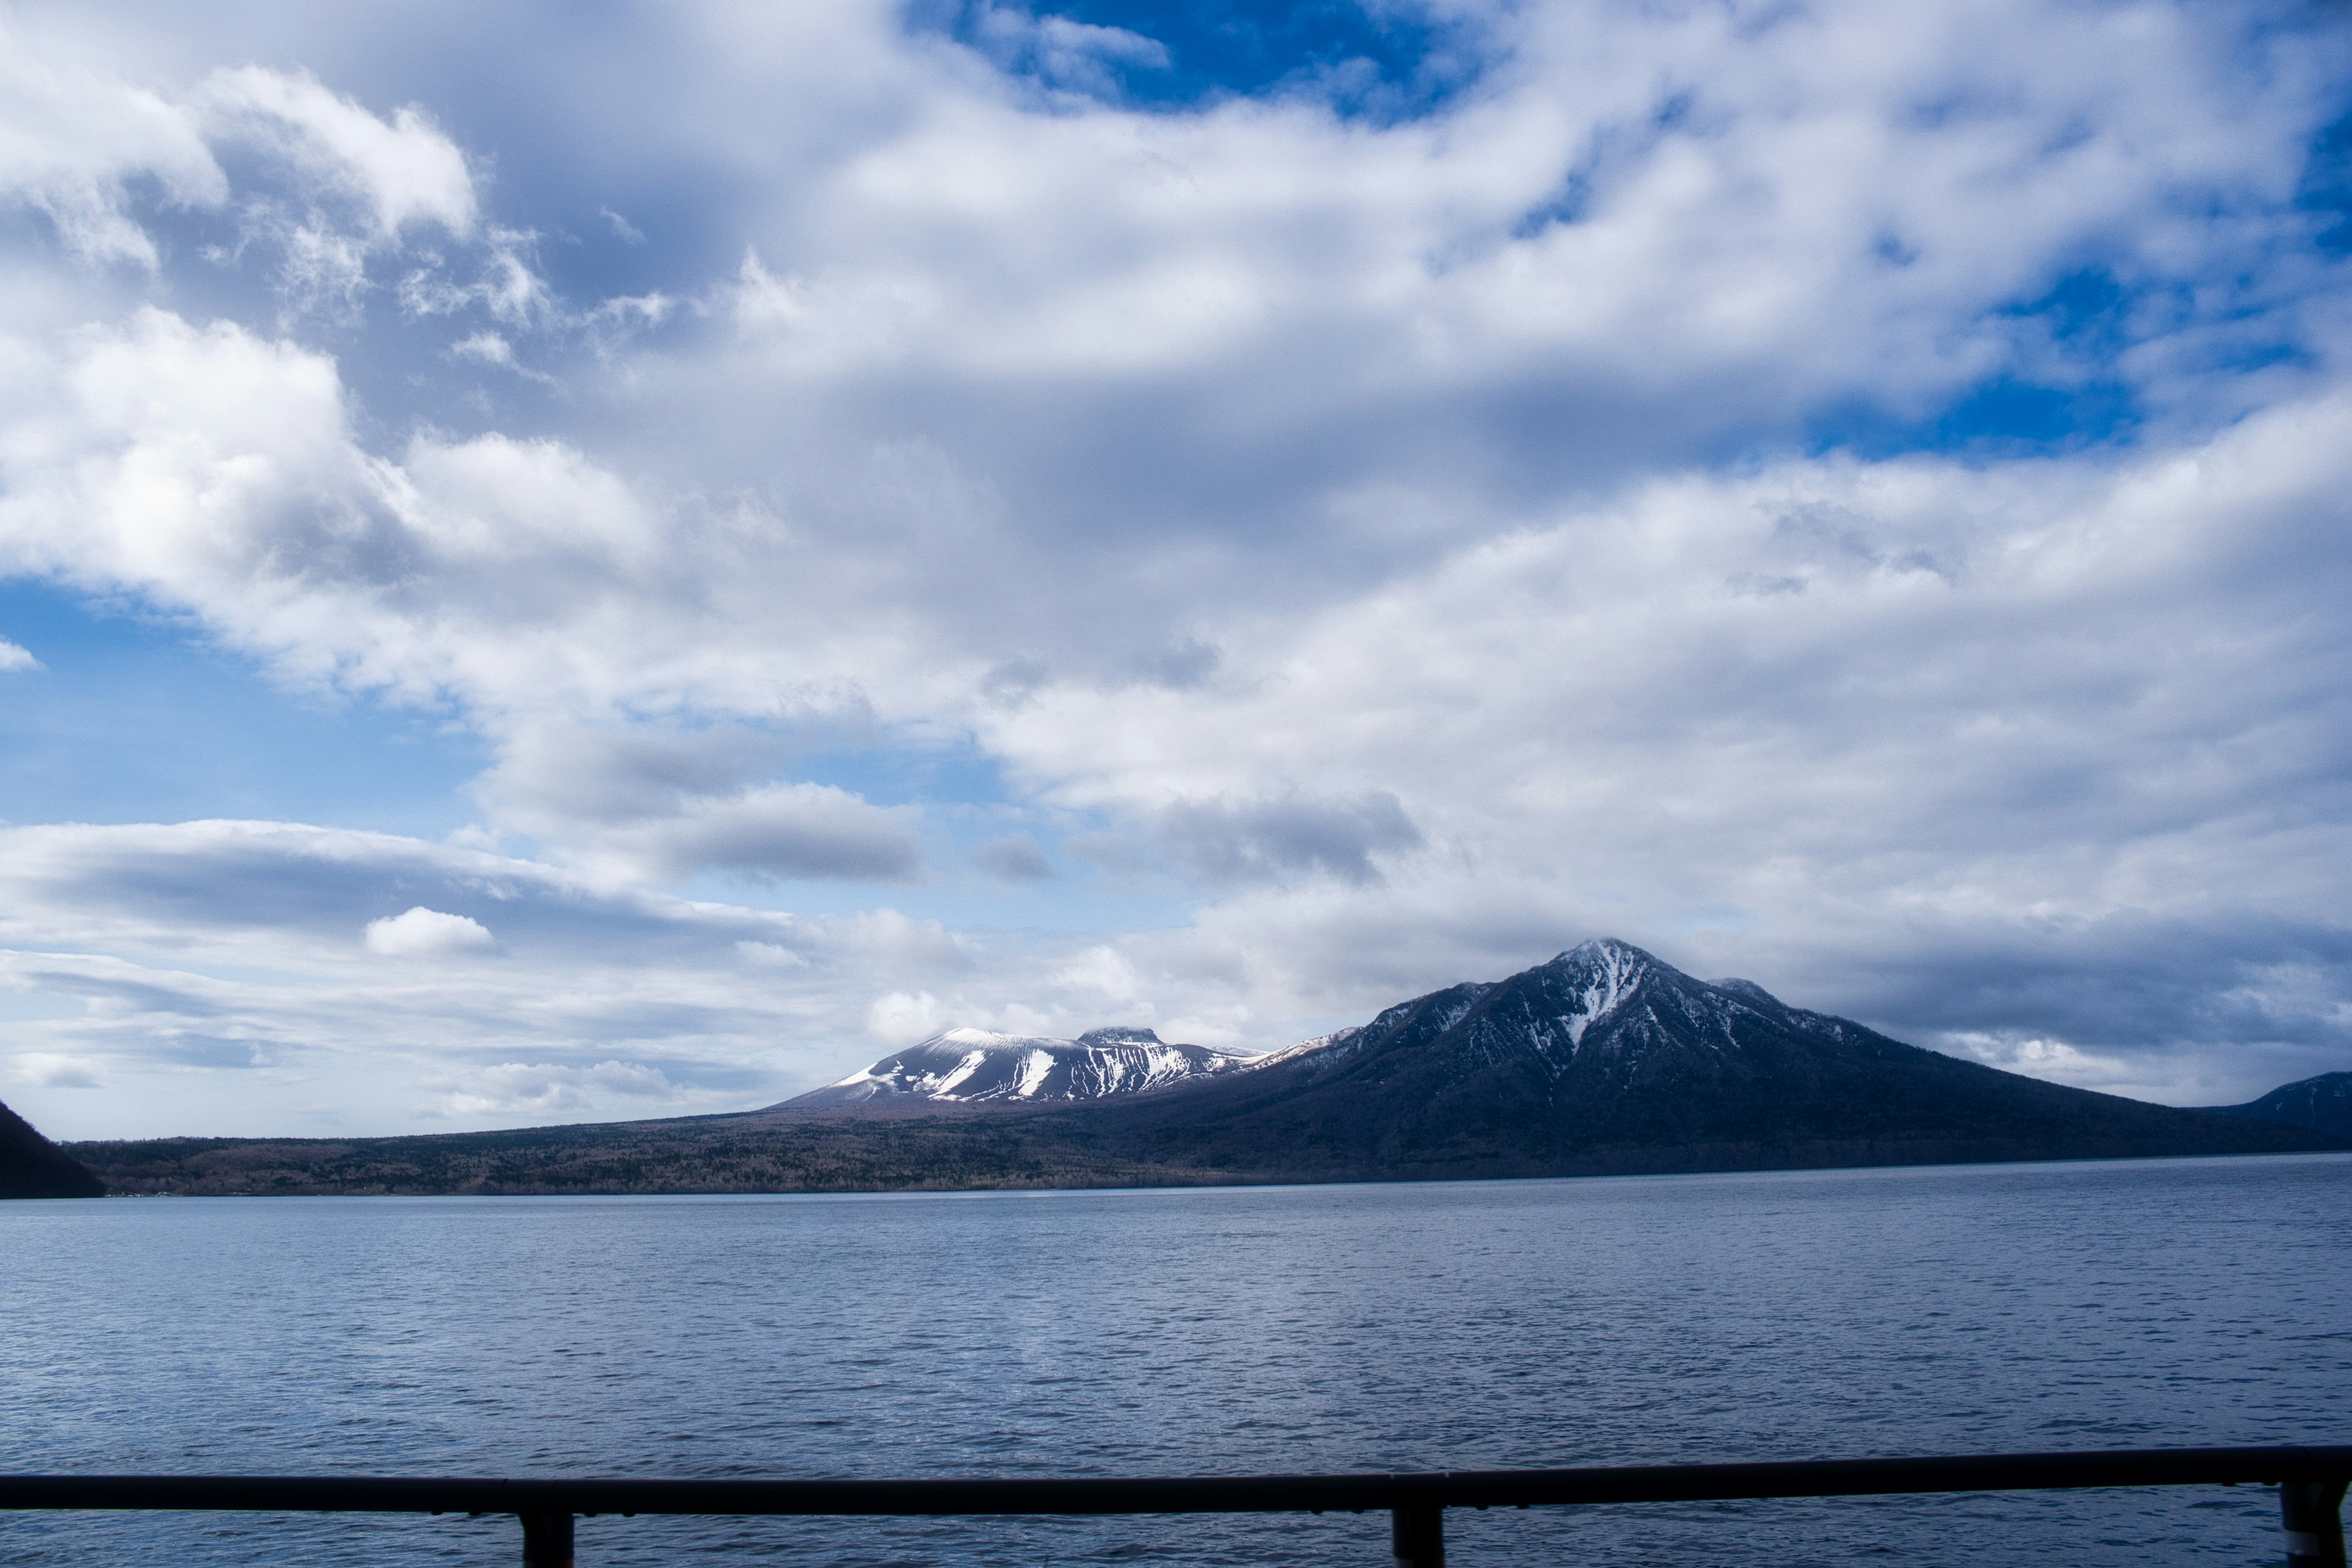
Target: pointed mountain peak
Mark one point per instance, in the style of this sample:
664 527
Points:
1602 949
1619 965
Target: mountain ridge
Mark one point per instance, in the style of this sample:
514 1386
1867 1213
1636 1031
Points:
1603 1060
965 1066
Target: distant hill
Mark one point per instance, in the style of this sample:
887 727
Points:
33 1167
1605 1060
2322 1104
973 1065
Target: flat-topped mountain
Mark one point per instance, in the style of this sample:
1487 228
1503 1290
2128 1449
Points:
2322 1104
976 1066
1607 1059
33 1167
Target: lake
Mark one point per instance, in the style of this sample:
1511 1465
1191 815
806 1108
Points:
1466 1325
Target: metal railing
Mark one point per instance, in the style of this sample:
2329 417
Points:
2311 1482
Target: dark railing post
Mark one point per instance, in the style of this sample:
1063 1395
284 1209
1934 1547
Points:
2312 1513
1417 1536
546 1540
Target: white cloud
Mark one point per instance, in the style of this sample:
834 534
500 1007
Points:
1074 57
668 807
485 348
420 932
789 831
2055 1060
903 1018
1106 971
77 143
216 470
404 169
540 1089
15 657
73 142
51 1070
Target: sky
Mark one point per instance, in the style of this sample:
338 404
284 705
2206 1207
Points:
567 563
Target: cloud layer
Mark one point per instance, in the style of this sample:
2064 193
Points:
1849 499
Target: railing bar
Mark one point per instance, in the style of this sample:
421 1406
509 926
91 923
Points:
1190 1494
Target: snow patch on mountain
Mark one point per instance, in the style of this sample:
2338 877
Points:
1613 971
1336 1043
965 1066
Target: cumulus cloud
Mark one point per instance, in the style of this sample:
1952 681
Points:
404 170
76 141
421 932
51 1070
901 1017
91 151
14 656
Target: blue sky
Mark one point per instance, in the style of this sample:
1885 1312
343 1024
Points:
778 532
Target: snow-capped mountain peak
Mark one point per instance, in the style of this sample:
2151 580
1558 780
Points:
1605 995
968 1066
1602 976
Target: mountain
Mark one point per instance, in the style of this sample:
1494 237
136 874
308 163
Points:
33 1167
974 1066
2322 1104
1608 1060
1604 1061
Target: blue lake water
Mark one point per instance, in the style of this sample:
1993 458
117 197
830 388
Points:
1472 1325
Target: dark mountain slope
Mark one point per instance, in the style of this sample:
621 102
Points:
2323 1104
1608 1060
33 1167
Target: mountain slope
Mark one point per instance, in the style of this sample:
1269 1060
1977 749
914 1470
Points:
975 1066
1608 1060
33 1167
2323 1104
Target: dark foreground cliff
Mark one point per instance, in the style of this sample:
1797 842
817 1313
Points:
33 1167
1604 1061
